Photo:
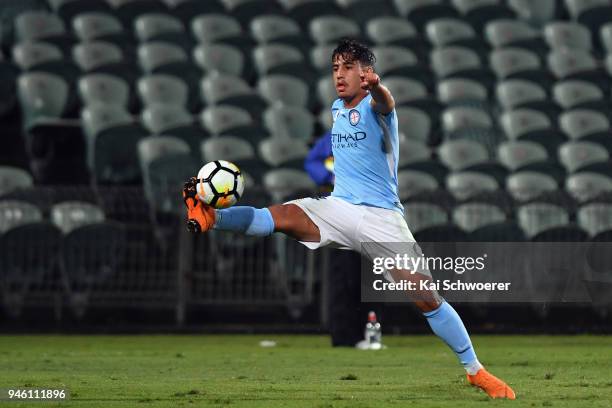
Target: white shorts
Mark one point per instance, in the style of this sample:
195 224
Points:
371 231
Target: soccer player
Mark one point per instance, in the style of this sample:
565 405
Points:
364 205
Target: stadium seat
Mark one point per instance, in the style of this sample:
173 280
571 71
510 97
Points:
593 14
479 13
111 138
414 123
289 121
460 62
229 147
462 92
162 27
531 125
329 29
99 26
29 248
281 59
460 154
472 216
395 60
273 28
304 11
30 56
595 218
69 215
187 9
217 89
283 152
420 216
390 31
587 125
465 122
507 231
410 93
155 56
519 63
165 162
605 37
517 154
42 26
320 58
325 120
162 89
527 185
535 218
577 64
412 151
286 183
218 28
421 12
129 10
172 120
103 88
566 34
514 33
413 182
43 97
361 11
519 93
575 156
465 184
246 10
13 178
536 13
451 31
584 186
283 88
104 57
326 92
224 119
223 58
573 94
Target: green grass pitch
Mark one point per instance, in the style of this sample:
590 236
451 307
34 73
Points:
302 371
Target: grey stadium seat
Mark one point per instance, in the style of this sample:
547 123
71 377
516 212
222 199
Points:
584 123
414 123
534 12
14 213
414 182
389 30
326 92
166 162
38 25
448 31
527 185
479 13
566 34
459 118
153 26
162 89
222 119
510 32
219 88
211 28
405 90
283 183
513 93
535 218
42 97
95 55
422 11
69 9
584 186
577 155
69 215
520 122
223 58
103 88
566 63
273 28
390 59
514 62
32 55
173 120
12 178
606 37
283 88
516 154
471 216
329 29
155 55
459 91
91 26
289 121
320 57
412 151
595 218
228 148
111 138
283 151
465 184
270 58
424 215
451 60
571 93
460 154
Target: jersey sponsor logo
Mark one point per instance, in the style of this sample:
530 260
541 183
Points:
354 117
341 140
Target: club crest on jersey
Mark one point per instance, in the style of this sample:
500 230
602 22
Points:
354 117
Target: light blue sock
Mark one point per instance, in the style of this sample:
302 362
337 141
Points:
446 324
247 220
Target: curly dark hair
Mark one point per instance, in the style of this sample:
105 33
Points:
352 50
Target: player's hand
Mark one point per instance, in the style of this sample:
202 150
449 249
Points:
369 79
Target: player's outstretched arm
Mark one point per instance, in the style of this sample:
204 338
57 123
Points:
382 100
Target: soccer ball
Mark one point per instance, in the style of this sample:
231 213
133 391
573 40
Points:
220 184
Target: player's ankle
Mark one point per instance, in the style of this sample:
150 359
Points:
473 367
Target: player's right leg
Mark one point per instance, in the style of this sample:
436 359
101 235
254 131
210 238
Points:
289 219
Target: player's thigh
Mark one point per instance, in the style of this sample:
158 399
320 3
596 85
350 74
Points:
290 219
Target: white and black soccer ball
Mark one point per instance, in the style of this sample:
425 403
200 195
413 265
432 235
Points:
220 184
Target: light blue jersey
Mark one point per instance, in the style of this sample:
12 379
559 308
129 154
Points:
365 145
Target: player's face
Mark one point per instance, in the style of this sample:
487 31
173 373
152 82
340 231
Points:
346 76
